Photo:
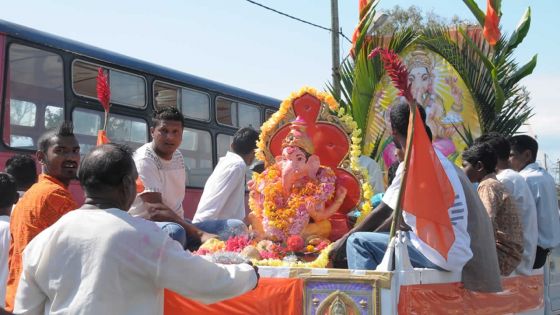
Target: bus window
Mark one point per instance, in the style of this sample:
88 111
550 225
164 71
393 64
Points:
22 113
165 95
249 116
226 112
34 86
54 115
126 89
197 152
121 129
195 104
223 143
236 114
268 113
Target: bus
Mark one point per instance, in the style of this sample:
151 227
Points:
45 79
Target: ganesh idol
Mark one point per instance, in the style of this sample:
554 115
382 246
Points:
296 195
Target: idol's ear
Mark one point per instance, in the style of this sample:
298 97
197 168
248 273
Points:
279 159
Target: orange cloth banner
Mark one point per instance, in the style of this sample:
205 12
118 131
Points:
428 194
273 296
520 294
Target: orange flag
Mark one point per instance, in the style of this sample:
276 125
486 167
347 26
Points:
102 137
491 23
429 193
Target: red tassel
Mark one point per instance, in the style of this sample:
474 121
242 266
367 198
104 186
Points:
103 89
395 69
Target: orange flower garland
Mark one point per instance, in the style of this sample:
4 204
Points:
288 215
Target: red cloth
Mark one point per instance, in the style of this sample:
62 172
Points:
520 294
273 296
491 23
428 194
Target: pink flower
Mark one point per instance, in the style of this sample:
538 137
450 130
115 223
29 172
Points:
294 243
237 243
322 245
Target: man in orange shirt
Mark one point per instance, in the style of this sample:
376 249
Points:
46 201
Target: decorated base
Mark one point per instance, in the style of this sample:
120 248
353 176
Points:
313 291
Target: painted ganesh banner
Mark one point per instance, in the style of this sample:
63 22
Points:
438 88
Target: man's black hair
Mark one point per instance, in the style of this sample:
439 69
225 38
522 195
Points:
66 129
498 142
8 187
24 170
168 113
399 117
245 140
105 167
392 172
484 153
521 143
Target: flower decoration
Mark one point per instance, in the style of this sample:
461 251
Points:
284 216
237 243
295 243
285 114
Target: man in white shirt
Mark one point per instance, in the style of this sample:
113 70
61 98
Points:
523 155
374 173
8 198
521 195
162 179
100 260
365 250
222 205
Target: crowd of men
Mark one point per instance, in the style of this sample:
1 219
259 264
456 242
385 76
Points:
130 239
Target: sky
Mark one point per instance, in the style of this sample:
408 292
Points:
241 44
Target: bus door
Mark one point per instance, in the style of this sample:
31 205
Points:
34 96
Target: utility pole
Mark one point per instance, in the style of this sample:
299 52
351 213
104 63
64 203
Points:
335 49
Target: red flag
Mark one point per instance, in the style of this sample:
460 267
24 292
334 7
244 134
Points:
491 23
428 194
103 89
102 137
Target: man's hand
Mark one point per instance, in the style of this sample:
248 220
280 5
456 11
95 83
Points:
161 213
338 252
206 236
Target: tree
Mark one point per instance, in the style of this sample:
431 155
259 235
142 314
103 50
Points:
414 18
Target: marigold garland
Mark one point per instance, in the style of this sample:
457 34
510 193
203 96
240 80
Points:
281 215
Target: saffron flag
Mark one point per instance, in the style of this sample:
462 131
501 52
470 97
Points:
102 137
429 193
491 23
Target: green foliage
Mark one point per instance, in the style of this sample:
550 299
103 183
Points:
490 73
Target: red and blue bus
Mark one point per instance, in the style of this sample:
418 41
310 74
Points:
45 79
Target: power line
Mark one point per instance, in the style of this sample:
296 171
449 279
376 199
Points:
298 19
